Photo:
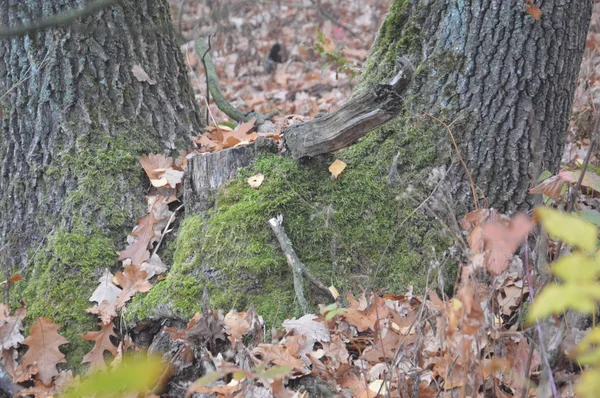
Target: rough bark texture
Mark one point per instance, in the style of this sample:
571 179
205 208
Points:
73 122
505 81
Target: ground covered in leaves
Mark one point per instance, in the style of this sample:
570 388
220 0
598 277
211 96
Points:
482 341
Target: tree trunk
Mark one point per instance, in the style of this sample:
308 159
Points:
73 122
501 80
504 80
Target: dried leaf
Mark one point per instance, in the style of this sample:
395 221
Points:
154 266
132 280
141 75
106 311
256 180
101 339
43 352
236 326
138 250
11 327
336 168
106 290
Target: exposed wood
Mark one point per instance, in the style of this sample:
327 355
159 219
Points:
362 114
207 172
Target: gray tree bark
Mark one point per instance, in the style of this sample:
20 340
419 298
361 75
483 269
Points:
74 121
503 79
68 93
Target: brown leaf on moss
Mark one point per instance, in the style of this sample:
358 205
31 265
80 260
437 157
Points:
43 352
102 343
132 280
144 232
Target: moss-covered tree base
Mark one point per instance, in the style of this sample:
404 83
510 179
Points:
358 231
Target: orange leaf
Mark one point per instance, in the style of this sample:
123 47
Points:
533 10
43 342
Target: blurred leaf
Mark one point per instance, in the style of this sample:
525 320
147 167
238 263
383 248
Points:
570 229
577 267
555 299
133 376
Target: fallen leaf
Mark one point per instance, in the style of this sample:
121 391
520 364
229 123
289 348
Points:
101 339
138 250
106 290
11 327
43 342
154 266
337 167
141 75
256 180
132 280
105 311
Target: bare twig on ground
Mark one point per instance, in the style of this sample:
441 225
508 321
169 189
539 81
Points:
298 268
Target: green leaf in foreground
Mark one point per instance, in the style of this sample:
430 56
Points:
133 376
555 299
570 229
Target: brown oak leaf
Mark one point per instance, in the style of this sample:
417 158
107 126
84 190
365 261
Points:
101 339
43 352
131 280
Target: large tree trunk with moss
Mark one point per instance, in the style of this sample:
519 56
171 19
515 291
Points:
74 121
501 81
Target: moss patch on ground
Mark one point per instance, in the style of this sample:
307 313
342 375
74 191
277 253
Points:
353 232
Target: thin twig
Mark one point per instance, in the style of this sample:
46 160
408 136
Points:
57 20
294 262
165 230
462 161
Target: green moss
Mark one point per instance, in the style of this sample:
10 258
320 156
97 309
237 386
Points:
63 277
66 268
354 232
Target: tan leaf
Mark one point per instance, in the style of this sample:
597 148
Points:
155 165
106 311
551 187
141 75
43 352
11 327
237 326
132 280
336 168
154 266
138 250
101 339
256 180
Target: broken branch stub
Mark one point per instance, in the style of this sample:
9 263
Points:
359 116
